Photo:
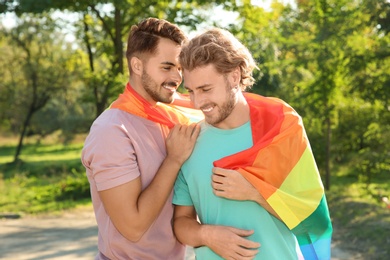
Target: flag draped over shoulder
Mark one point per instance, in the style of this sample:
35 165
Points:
281 166
131 102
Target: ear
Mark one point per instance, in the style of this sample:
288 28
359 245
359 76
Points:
235 77
136 65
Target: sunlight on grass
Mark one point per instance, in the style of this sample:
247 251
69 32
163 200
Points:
6 159
49 177
44 155
51 157
45 150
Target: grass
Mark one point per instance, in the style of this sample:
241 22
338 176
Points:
50 178
360 218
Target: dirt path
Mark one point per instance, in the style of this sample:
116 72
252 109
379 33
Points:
72 235
69 236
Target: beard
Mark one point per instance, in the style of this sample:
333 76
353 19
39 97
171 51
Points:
225 109
153 89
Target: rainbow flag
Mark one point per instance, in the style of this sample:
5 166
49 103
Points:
281 166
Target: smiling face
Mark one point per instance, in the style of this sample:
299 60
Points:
160 73
214 94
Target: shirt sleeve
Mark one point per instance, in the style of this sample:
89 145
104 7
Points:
181 195
110 156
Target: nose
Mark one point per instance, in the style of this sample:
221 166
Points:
177 76
196 99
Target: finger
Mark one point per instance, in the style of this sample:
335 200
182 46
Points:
221 171
218 171
217 178
195 131
242 232
217 186
245 253
223 194
220 193
191 131
249 244
175 129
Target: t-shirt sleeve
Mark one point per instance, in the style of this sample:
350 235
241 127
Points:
181 194
110 156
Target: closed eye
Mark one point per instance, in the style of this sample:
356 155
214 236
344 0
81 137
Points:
167 65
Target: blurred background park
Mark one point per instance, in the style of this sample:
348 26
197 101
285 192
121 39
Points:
62 63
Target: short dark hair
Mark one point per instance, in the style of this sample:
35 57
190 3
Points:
144 37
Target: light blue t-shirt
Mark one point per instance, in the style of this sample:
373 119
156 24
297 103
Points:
193 188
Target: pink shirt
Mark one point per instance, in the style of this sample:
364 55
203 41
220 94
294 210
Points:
119 148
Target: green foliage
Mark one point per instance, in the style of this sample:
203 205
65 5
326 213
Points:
31 195
74 187
365 138
49 178
39 74
374 158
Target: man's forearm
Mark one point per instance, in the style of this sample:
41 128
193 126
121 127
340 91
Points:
189 231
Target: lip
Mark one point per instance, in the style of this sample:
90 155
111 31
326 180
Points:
207 109
170 88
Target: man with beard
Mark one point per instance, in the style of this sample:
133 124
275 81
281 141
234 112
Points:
251 188
135 149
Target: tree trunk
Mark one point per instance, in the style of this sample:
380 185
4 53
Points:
22 135
88 44
118 67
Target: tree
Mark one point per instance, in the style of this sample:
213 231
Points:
103 28
319 56
39 72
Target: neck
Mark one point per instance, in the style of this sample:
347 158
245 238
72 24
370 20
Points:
239 116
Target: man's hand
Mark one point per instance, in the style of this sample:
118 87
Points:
229 242
231 184
180 142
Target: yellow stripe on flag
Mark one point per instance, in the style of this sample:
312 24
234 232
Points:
296 207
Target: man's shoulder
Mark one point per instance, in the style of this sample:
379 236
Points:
114 121
115 116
